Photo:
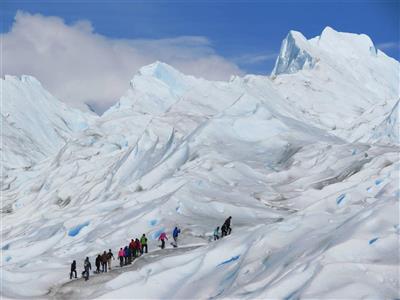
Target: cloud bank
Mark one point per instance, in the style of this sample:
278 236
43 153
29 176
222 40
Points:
80 66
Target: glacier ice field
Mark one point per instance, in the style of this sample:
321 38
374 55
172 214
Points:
306 161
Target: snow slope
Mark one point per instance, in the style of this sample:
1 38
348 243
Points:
388 129
35 124
315 210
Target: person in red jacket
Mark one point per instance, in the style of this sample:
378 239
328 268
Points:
121 257
138 247
162 238
132 247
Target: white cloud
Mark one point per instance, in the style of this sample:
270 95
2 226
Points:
388 45
251 59
78 65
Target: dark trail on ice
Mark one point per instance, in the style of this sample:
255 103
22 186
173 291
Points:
95 287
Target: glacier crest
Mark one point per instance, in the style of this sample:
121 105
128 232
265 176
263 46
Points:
293 57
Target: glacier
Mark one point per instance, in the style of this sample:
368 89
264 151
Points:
306 161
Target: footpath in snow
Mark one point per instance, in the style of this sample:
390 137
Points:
96 285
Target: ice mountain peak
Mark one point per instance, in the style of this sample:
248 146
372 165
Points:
157 69
294 54
298 53
161 73
153 89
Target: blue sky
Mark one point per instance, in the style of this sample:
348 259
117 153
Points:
248 33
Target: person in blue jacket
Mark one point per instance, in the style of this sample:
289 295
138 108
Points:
175 235
127 254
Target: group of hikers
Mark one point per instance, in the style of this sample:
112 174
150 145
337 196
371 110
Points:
225 229
135 249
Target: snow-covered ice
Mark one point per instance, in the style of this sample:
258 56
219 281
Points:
306 161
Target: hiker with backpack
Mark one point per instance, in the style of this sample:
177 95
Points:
127 255
73 270
104 262
98 263
87 267
175 235
110 256
143 241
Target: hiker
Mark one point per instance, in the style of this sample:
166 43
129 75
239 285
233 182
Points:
109 256
130 256
104 262
121 257
216 234
87 265
223 231
162 238
143 241
226 228
132 246
126 255
138 247
73 269
97 263
175 234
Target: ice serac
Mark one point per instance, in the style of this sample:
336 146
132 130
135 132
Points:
154 89
165 74
345 44
294 55
35 120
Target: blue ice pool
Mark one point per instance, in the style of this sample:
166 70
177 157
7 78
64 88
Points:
75 230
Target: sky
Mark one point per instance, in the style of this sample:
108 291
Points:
87 51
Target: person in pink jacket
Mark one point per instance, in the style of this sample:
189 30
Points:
162 238
121 257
